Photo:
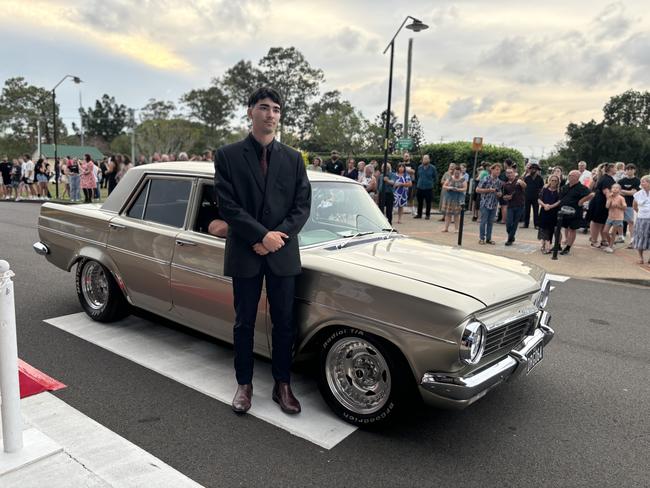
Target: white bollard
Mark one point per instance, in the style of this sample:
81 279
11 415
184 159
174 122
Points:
12 431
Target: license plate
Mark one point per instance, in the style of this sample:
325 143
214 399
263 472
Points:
535 357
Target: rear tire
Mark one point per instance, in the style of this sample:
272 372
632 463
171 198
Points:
98 293
362 378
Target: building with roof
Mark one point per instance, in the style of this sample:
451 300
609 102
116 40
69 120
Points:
47 152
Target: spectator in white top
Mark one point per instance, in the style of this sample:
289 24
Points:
641 238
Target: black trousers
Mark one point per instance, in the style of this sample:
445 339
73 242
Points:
280 294
88 195
386 205
424 196
535 205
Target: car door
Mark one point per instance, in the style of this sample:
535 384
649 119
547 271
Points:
141 239
201 295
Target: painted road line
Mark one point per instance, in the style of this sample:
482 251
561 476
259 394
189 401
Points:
208 368
106 459
560 278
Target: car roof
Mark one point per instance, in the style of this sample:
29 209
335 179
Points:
206 168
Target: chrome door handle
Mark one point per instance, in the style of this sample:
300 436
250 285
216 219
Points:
116 226
183 242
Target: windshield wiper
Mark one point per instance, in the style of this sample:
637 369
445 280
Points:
353 236
390 231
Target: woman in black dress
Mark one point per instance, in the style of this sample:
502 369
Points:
597 207
549 200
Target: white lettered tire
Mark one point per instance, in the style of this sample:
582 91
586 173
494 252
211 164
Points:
361 377
98 293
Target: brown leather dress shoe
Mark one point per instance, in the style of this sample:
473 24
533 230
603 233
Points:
283 396
242 401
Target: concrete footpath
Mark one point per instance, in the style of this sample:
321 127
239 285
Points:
583 262
66 449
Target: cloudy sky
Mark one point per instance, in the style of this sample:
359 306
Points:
515 72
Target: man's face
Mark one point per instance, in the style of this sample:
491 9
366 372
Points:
582 166
265 116
574 177
425 160
495 172
630 172
407 157
510 174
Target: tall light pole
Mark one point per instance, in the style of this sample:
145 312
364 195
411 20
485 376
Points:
77 80
416 26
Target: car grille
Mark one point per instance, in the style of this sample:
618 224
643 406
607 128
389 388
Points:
508 336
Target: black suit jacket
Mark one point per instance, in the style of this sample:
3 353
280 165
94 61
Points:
253 206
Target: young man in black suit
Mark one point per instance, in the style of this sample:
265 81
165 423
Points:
265 197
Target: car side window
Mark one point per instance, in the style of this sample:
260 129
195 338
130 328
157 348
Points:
137 209
167 201
208 210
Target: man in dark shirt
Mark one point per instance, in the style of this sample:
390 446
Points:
534 184
513 194
574 194
5 178
335 165
630 184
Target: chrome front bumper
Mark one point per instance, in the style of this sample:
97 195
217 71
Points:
459 392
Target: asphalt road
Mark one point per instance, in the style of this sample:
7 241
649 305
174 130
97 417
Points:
580 419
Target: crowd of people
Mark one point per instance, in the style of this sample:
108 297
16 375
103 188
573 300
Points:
23 179
609 202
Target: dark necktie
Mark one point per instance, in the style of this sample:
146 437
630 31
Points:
263 163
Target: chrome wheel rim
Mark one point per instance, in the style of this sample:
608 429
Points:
358 375
94 285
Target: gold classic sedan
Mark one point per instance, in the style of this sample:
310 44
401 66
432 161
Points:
387 317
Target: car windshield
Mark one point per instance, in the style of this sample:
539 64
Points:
340 210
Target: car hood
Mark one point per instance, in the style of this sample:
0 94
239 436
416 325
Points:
485 277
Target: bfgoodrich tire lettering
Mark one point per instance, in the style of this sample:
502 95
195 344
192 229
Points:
98 293
361 377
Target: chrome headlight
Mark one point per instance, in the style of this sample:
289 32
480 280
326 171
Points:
542 296
472 343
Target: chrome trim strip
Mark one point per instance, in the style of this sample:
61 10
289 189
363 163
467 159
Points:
73 236
470 388
207 274
41 248
138 255
372 319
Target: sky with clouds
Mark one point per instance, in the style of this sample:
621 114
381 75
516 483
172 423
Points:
511 71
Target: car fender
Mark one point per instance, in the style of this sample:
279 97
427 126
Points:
90 252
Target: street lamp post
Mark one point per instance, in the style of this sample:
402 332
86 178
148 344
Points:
416 26
57 170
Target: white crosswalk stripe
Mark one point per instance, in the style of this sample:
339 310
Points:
208 368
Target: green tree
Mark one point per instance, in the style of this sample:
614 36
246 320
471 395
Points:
157 110
22 107
287 70
333 123
241 80
107 119
167 136
211 106
416 132
631 108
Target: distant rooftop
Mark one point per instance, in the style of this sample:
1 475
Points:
63 150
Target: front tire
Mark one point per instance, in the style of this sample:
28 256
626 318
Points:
98 293
361 378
